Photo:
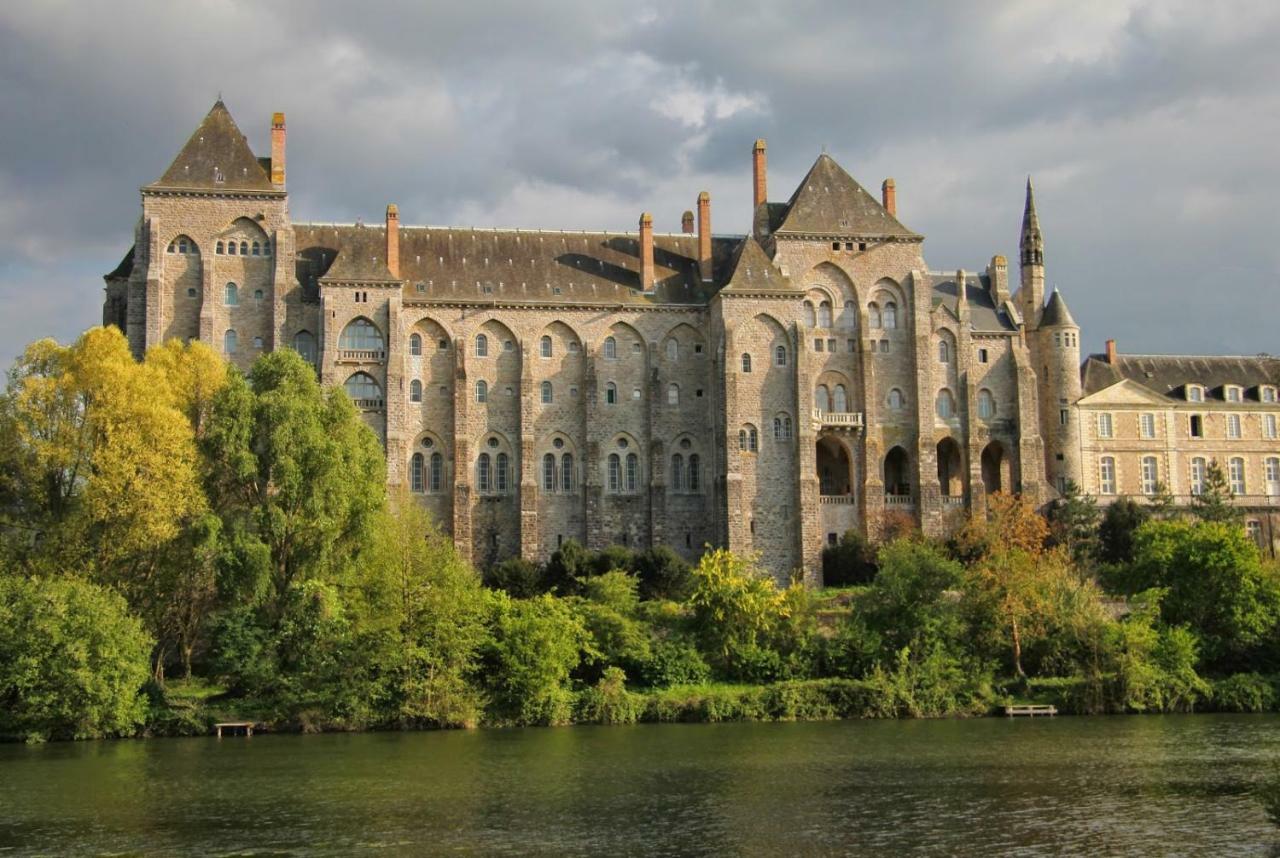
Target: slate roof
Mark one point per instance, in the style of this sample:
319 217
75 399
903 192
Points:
1168 375
216 149
123 270
753 271
463 264
1056 313
984 315
830 202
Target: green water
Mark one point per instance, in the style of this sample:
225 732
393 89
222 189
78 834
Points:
1124 785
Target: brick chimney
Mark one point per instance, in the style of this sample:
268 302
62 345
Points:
758 171
646 252
704 235
393 240
686 223
1111 351
277 149
889 196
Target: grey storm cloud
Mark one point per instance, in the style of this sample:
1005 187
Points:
1149 126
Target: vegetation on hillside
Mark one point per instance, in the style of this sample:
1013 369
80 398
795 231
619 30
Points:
180 544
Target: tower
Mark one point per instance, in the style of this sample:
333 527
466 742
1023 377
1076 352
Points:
1057 356
1031 297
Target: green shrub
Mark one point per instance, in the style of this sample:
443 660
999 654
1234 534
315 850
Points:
517 576
674 662
536 644
849 561
1245 692
609 701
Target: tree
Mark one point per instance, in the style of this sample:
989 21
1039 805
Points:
1214 501
1115 534
1073 521
536 645
849 561
72 660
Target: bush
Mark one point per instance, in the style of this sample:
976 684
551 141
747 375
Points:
674 663
536 644
73 661
609 701
663 574
849 561
517 576
1245 692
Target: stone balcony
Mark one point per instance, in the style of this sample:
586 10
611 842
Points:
900 501
361 355
836 500
847 420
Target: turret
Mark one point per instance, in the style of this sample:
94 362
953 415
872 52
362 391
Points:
1057 356
1031 298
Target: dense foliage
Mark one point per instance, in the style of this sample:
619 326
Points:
180 543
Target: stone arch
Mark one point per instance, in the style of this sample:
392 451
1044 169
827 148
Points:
618 457
183 291
437 464
994 467
897 472
834 461
361 334
564 339
950 468
833 280
626 336
247 236
181 244
686 337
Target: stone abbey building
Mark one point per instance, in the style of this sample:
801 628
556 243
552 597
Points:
764 392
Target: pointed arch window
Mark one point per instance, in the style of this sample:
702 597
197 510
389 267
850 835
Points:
482 391
484 474
363 390
482 345
415 344
437 472
417 483
548 393
944 351
231 295
610 348
549 472
746 362
695 477
230 342
544 346
615 473
566 472
890 315
677 473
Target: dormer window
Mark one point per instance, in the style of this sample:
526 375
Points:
1195 393
1267 393
1232 393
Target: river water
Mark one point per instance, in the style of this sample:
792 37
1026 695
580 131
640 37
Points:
1138 785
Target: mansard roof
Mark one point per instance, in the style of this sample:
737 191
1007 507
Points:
1056 313
217 157
544 266
830 202
984 315
1168 375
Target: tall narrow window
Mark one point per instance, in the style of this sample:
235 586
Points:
1150 475
777 428
610 394
891 315
746 362
896 402
673 349
873 316
503 473
230 342
415 391
615 473
483 474
416 473
549 473
304 343
231 295
437 471
1233 425
566 472
824 314
1196 428
822 398
695 477
850 315
944 351
1235 475
1273 476
946 404
810 319
544 346
1269 425
1107 476
1147 425
986 404
547 393
482 345
677 473
633 472
839 400
1198 471
780 355
610 348
1104 425
482 391
415 344
673 394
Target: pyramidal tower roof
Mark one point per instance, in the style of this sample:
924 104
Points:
217 157
1056 313
830 202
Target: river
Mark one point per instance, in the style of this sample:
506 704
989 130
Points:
1139 785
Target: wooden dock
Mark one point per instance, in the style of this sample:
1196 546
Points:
1031 710
234 727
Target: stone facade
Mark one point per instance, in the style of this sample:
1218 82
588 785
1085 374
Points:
764 392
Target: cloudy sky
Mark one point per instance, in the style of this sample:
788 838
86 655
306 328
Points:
1152 128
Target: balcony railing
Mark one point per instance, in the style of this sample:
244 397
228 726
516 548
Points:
362 355
368 404
836 500
841 419
900 501
953 500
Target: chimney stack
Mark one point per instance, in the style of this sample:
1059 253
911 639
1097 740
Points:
646 252
889 195
686 223
1111 352
277 149
704 236
758 165
393 240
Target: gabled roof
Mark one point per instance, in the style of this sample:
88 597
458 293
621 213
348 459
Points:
984 315
1168 375
753 271
1056 313
216 157
829 202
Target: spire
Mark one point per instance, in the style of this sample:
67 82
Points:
1032 243
1056 314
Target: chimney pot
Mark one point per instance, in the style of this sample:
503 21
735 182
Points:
1111 352
704 236
686 223
889 196
646 253
393 240
759 170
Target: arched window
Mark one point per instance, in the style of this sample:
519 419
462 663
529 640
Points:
360 335
746 362
548 393
484 474
1235 475
363 390
673 349
986 404
824 314
615 472
257 249
231 295
610 348
304 343
748 439
633 472
895 400
218 248
544 346
566 472
244 248
810 319
610 394
777 428
822 398
850 317
437 471
891 315
873 315
503 474
695 478
944 351
677 473
946 404
416 481
415 344
231 248
840 400
266 248
482 391
673 394
415 391
780 355
482 345
549 473
230 342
